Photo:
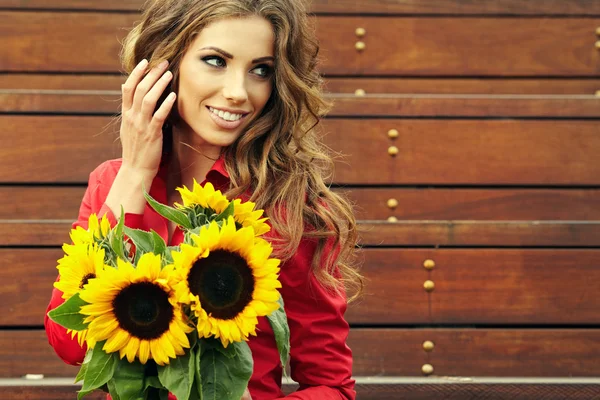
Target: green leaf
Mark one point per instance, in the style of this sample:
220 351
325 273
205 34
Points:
141 239
83 369
223 377
100 369
82 393
112 390
128 380
197 352
116 240
67 314
170 213
159 244
226 213
281 329
178 375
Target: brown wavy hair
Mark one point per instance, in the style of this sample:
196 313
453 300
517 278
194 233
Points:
279 158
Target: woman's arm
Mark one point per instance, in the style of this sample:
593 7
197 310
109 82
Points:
320 360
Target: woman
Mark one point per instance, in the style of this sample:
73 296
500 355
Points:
226 92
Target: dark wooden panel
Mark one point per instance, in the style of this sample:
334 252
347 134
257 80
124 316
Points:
466 152
474 204
433 7
55 149
471 286
393 352
459 85
410 105
515 352
40 202
67 148
57 202
459 46
478 233
426 105
375 388
76 82
28 275
521 47
379 233
480 287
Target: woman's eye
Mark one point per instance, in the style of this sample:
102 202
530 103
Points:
263 70
215 61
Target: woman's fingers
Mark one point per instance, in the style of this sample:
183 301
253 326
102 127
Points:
147 84
151 98
162 113
128 88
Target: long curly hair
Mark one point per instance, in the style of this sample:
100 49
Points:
279 158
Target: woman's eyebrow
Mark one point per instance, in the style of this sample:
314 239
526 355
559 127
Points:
227 55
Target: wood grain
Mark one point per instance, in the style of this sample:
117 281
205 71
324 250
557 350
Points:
474 204
26 101
465 152
403 388
392 352
430 152
431 7
407 46
491 286
62 202
379 233
526 86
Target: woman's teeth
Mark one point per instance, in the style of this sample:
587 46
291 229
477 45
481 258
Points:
227 116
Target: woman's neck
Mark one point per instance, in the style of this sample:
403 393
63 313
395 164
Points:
191 158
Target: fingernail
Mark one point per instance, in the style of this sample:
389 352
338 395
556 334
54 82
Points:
143 63
163 64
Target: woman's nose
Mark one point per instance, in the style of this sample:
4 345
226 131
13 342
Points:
234 88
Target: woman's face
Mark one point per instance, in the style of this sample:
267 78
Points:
225 80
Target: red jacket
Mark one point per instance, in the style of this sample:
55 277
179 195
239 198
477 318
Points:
320 360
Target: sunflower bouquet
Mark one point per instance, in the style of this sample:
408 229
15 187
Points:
159 319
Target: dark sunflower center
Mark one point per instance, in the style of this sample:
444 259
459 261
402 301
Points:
224 283
143 310
85 279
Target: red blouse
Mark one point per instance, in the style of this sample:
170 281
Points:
320 360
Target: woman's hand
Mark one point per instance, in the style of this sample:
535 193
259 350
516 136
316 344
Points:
246 395
141 127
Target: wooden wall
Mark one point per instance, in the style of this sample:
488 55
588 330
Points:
471 134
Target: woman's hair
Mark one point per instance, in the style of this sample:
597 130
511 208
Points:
279 159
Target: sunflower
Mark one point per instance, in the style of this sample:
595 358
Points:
96 230
207 196
81 263
228 280
135 311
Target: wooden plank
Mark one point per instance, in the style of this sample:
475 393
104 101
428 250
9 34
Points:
430 152
451 105
379 233
344 105
425 85
410 46
522 47
60 202
371 388
478 233
77 82
465 152
40 202
431 7
474 204
471 286
56 149
393 352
